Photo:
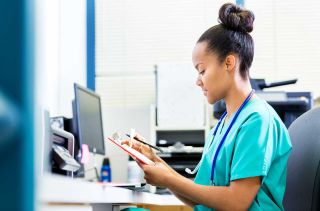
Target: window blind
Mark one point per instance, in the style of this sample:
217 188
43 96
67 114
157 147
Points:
133 36
287 40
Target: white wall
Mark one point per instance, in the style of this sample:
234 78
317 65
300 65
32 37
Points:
73 50
60 53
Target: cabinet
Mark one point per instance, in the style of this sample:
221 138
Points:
181 117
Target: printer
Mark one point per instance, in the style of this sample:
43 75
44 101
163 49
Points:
288 105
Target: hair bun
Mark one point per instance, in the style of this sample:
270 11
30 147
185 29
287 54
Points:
236 18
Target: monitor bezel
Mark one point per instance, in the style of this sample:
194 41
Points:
76 103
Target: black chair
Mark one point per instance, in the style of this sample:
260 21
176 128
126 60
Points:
303 175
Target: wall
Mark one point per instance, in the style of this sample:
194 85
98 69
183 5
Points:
61 52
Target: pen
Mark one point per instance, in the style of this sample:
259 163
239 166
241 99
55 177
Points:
154 147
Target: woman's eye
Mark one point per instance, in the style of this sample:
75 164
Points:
201 72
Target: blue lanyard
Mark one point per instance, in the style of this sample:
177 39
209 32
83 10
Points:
225 135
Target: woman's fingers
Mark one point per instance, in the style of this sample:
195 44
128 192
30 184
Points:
125 142
132 142
139 137
136 145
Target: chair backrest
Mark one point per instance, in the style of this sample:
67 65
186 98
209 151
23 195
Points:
303 175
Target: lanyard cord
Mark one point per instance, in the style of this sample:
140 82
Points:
225 135
215 131
214 134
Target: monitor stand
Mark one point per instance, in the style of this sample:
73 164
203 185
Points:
95 164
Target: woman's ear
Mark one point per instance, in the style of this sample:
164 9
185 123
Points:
230 62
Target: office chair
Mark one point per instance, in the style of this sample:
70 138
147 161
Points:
303 175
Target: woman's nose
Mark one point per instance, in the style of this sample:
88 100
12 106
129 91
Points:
198 81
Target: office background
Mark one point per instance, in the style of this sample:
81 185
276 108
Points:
113 47
118 56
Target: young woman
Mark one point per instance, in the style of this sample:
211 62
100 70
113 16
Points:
244 161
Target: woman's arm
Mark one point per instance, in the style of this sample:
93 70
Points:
238 196
183 199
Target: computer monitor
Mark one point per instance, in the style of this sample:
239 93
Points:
88 119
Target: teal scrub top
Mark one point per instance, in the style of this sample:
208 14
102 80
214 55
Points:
258 144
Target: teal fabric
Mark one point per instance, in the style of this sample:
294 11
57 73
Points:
258 144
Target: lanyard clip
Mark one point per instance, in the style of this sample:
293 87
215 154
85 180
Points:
211 182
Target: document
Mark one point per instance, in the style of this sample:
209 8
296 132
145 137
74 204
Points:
132 152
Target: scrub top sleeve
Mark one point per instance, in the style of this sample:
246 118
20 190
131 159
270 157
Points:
253 148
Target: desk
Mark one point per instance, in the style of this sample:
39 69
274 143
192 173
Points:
55 192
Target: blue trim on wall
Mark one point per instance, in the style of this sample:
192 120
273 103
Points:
90 45
240 2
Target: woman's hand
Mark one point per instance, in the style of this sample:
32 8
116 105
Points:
142 148
158 174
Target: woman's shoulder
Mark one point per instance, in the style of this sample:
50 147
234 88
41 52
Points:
260 110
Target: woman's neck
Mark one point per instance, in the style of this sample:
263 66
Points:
236 95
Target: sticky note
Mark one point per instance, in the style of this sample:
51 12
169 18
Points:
85 154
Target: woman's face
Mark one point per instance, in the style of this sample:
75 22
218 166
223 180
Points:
213 77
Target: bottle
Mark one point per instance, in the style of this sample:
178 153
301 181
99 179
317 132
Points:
133 172
105 171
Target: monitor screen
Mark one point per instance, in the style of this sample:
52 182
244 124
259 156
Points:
89 119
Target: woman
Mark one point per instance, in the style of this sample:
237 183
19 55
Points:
243 165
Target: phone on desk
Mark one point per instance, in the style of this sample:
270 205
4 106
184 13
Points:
63 152
63 159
